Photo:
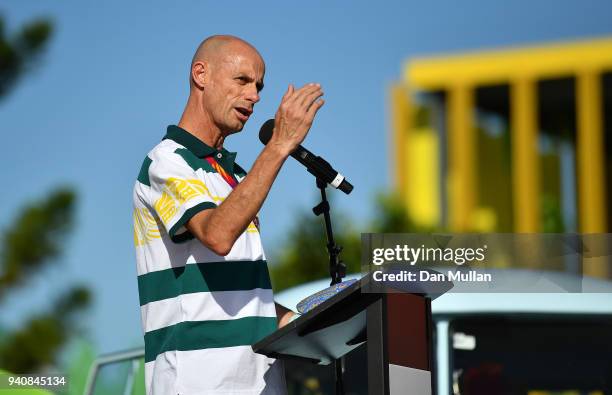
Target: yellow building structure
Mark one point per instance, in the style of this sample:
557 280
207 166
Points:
510 140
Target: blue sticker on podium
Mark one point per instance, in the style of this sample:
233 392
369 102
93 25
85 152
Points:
314 300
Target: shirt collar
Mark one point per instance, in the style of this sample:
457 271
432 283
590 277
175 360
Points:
194 144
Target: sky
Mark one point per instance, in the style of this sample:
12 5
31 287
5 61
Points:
116 74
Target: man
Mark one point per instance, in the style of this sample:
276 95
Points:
204 286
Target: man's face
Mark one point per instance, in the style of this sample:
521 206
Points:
236 78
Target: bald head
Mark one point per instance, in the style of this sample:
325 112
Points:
215 48
227 74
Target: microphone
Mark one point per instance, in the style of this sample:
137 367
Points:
315 165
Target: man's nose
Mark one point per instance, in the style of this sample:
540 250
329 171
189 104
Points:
252 95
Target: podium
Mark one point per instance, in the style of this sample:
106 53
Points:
395 325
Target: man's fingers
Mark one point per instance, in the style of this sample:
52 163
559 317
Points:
306 96
294 95
301 105
289 92
305 90
312 111
309 99
310 86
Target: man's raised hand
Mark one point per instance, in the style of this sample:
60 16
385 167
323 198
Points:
295 115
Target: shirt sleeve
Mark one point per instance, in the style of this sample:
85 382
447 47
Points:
178 192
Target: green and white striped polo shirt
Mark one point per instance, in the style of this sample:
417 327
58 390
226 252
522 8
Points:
201 312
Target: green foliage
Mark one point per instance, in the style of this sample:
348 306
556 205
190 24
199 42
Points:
29 391
139 379
80 358
391 217
19 53
33 346
32 242
304 256
551 214
37 343
35 238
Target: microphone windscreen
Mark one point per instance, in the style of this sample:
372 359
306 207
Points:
265 133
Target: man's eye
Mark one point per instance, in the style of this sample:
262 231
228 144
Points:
242 80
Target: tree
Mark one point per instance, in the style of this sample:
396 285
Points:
31 243
35 239
304 257
19 53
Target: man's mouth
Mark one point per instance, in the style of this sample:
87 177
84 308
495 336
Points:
243 113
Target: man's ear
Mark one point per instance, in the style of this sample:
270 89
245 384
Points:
200 73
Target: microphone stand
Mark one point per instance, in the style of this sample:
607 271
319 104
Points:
337 269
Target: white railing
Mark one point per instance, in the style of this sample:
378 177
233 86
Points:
131 355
